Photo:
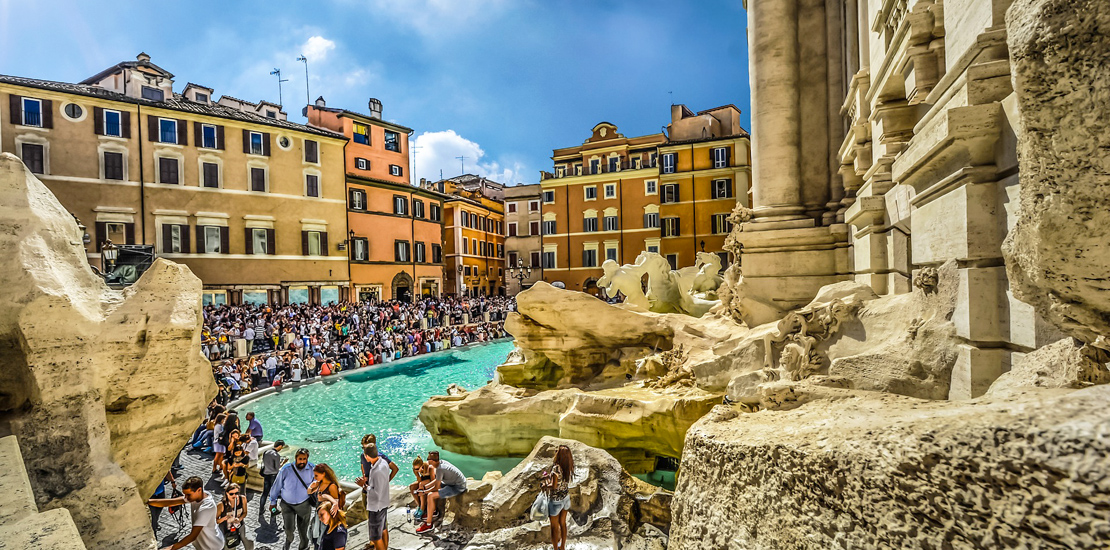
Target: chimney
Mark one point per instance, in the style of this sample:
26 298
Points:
143 57
320 103
375 108
676 112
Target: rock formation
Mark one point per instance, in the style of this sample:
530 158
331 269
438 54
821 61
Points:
1058 254
101 386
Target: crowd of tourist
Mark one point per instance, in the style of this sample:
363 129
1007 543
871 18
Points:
278 345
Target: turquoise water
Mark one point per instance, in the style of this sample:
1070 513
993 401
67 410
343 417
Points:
330 418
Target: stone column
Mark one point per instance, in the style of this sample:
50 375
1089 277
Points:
776 122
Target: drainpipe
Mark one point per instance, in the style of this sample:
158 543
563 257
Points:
142 176
412 235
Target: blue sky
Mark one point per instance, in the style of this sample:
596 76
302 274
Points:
500 81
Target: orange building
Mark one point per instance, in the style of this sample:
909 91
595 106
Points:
395 230
474 240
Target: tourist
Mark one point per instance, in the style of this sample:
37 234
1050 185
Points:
449 482
332 516
254 427
375 487
325 483
250 445
160 493
556 483
205 535
291 487
248 335
230 514
237 464
219 443
425 483
271 465
369 440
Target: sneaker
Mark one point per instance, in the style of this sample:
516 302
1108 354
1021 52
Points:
419 513
424 528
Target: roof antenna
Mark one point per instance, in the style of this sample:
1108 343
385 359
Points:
280 80
462 164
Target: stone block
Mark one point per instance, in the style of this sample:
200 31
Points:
961 224
975 370
982 313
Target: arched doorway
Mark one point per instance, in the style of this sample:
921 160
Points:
402 287
590 287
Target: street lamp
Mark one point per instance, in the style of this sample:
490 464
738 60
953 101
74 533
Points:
109 252
520 272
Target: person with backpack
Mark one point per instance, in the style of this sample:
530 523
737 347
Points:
556 483
230 515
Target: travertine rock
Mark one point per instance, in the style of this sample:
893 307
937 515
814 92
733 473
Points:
1066 363
21 524
102 387
875 470
1058 255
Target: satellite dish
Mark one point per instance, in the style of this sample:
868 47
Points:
559 284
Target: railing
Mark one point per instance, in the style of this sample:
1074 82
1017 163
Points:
569 171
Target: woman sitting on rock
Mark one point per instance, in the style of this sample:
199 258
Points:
556 483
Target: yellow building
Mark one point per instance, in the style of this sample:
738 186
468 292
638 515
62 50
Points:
254 204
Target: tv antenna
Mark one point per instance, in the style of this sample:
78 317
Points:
414 148
462 164
280 80
307 95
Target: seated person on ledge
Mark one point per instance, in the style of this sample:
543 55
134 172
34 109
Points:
448 482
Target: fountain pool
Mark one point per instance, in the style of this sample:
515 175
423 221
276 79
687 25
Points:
330 417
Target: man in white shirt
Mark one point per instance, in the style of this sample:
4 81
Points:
205 535
248 335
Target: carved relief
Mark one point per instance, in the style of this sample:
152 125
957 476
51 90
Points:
926 280
798 333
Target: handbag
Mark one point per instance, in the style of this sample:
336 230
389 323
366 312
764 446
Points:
539 507
313 500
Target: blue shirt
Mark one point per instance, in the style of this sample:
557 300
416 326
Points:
255 428
288 488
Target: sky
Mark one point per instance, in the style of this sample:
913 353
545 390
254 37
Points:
500 82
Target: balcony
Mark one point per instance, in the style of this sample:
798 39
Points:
568 172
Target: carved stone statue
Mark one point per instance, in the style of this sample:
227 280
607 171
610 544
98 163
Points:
625 280
668 291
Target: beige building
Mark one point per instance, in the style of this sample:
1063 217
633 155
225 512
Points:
253 204
883 144
523 241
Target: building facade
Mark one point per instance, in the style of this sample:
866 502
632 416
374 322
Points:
253 204
395 237
523 242
474 244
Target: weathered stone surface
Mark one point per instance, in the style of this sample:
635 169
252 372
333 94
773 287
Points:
21 524
1066 363
1058 255
875 470
102 387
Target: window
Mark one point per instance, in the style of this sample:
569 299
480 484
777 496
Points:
549 227
512 259
312 185
173 238
670 193
535 259
418 208
611 223
500 251
722 189
73 110
466 247
474 246
611 253
673 260
34 156
167 130
595 166
533 228
533 206
313 243
437 213
589 257
651 220
482 248
418 253
614 164
437 254
362 134
258 179
400 205
401 251
258 241
474 221
360 249
720 157
721 224
311 151
358 199
549 259
168 171
669 162
256 143
211 175
391 143
635 163
394 170
112 126
548 197
591 192
654 159
653 248
113 166
670 227
201 98
271 114
650 187
208 136
362 164
153 94
512 207
466 270
512 229
610 190
589 224
213 239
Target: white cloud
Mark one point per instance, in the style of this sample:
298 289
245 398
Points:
439 17
316 48
439 151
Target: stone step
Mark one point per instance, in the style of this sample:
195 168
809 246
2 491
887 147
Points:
21 524
17 501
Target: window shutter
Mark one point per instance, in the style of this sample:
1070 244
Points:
47 113
182 132
225 245
351 198
246 141
101 234
304 243
324 243
152 128
220 138
98 121
266 144
200 239
270 242
16 103
167 240
198 133
248 236
125 124
185 248
129 233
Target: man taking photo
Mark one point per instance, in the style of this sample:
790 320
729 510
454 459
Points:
205 535
375 488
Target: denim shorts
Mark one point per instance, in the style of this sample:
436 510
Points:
448 491
554 507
